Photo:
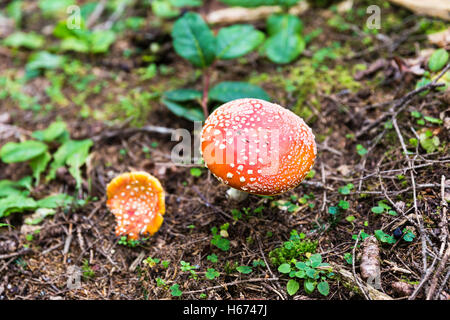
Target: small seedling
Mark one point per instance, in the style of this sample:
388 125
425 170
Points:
313 271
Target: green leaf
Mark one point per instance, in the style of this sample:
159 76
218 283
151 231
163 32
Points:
383 237
27 40
316 260
282 22
50 7
164 9
43 60
429 143
292 287
244 269
53 132
183 95
16 203
187 112
344 204
438 60
193 40
13 152
227 91
309 286
74 44
101 40
72 153
237 41
323 288
186 3
377 210
211 274
78 158
284 268
39 164
175 290
55 201
285 43
14 188
258 3
433 120
196 172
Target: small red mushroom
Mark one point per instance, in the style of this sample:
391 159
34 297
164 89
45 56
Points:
137 201
257 147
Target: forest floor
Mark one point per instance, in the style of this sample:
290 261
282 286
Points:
354 95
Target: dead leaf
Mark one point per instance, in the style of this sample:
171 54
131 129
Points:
441 39
433 8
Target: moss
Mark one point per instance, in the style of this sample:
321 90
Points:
135 104
294 249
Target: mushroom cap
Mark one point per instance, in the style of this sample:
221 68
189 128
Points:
258 147
137 201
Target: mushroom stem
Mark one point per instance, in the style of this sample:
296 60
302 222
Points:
236 195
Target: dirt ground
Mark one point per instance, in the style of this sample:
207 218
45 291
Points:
344 112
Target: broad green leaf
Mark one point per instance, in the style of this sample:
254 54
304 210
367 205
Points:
16 203
186 3
39 164
183 95
237 40
284 47
258 3
72 153
27 40
383 237
175 290
14 11
50 7
285 43
316 260
164 9
55 201
78 158
438 60
13 188
292 287
101 40
377 210
43 60
190 113
284 268
74 44
284 22
429 143
193 40
309 286
244 269
323 288
227 91
13 152
53 132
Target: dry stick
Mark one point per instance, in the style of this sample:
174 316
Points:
443 284
283 297
206 79
400 104
231 284
443 262
413 182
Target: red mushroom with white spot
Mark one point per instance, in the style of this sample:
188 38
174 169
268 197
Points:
257 147
137 201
